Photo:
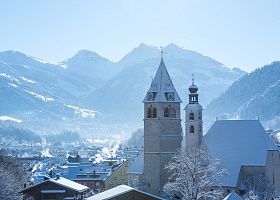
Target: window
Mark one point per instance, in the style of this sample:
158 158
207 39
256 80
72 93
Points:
115 178
149 113
97 183
154 113
191 116
228 191
191 129
91 184
166 112
172 113
123 178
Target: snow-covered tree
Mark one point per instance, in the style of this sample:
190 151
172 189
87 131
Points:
139 184
258 187
194 173
12 177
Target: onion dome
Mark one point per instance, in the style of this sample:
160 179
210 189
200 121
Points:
193 88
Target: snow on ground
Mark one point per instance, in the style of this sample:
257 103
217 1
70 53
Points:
40 96
27 80
83 112
9 77
13 85
6 118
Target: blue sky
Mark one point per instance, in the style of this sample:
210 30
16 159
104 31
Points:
239 33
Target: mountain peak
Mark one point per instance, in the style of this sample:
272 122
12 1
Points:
87 53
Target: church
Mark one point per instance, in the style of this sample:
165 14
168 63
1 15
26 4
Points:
243 146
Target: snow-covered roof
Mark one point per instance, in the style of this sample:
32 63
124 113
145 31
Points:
232 196
66 183
69 184
116 191
193 106
238 143
137 166
162 84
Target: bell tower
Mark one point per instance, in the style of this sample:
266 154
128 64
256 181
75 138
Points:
162 129
193 119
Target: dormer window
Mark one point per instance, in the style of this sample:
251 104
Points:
191 116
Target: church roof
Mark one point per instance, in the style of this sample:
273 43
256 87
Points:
161 85
137 166
238 143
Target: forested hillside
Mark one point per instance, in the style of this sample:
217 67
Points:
254 95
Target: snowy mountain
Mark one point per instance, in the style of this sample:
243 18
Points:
120 99
91 94
40 95
254 95
90 66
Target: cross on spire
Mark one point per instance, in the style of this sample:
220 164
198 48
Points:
193 79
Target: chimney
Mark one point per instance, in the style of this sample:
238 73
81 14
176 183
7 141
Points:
58 175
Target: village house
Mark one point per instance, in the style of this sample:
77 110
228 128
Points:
58 188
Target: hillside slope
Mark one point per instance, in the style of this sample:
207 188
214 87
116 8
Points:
254 95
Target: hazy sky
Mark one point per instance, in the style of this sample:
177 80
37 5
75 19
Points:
238 33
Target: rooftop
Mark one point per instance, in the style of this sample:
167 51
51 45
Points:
238 143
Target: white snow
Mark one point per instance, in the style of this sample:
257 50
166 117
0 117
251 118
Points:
9 77
14 85
232 196
238 143
27 80
40 96
6 118
69 184
39 60
117 191
83 112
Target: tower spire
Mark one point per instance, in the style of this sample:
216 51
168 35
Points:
161 51
193 79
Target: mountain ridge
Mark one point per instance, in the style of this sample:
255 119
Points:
103 96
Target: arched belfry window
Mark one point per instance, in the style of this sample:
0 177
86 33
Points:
166 112
154 113
149 113
191 129
172 113
191 116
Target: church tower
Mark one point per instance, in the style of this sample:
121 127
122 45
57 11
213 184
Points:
193 119
162 129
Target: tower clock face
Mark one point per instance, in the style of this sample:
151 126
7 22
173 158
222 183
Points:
150 96
170 96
